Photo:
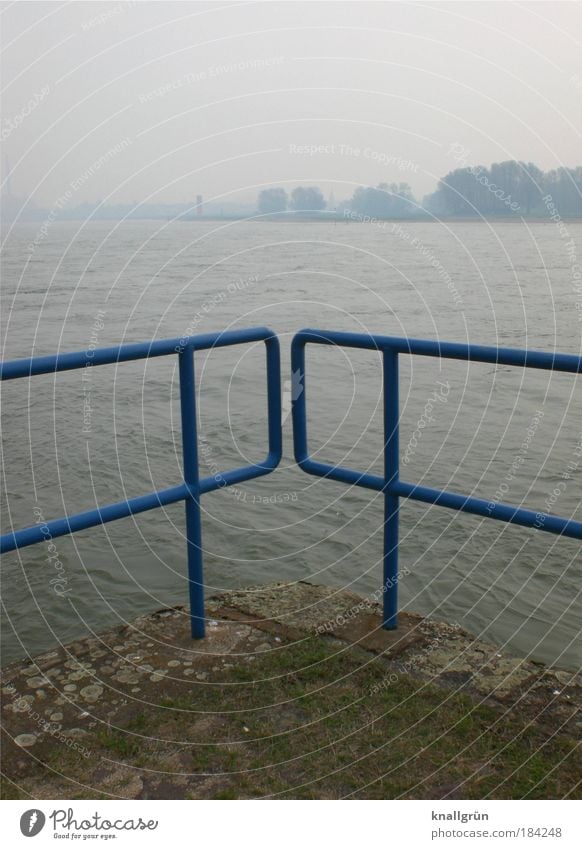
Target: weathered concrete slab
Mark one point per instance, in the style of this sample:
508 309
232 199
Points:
105 681
435 651
303 606
66 693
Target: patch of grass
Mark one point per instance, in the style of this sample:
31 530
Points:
307 722
9 790
330 735
121 744
227 793
137 723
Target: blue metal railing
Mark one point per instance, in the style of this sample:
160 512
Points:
391 484
192 487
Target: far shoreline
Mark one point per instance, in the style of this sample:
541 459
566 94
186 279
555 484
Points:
287 219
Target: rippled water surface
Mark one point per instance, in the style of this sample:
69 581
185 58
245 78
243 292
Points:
81 439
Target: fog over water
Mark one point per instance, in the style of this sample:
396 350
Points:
221 99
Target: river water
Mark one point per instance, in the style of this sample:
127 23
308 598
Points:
80 439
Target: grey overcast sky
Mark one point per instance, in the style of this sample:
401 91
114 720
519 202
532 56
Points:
161 101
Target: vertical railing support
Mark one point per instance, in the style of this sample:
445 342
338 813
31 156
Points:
192 481
391 473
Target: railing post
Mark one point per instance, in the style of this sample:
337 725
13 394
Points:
191 479
391 472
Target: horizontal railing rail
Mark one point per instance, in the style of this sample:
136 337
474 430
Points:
390 484
192 487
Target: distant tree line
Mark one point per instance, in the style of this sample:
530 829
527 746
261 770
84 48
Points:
302 199
505 188
387 200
